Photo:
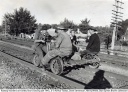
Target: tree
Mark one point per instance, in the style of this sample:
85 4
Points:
84 25
46 26
104 32
20 21
54 26
1 29
68 24
5 23
124 27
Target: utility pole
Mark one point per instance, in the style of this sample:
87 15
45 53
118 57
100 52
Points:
116 19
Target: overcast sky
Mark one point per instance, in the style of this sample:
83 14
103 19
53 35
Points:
99 12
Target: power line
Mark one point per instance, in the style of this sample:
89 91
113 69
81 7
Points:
117 17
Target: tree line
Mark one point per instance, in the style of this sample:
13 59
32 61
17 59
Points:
21 21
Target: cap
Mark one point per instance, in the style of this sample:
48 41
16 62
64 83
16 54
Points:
51 32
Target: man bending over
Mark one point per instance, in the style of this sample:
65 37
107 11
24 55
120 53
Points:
63 46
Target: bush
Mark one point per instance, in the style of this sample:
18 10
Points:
125 43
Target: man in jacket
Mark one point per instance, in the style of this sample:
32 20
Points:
93 43
63 46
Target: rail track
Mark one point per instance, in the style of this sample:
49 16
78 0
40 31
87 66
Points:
107 64
64 79
72 82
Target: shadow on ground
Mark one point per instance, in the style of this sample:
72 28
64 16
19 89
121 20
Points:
75 67
99 81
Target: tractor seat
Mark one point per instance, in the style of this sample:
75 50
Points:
90 55
68 56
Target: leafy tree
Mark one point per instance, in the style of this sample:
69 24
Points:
20 21
104 32
124 27
1 29
84 25
46 26
54 26
68 24
6 22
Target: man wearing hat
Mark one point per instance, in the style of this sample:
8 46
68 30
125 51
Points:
63 46
93 42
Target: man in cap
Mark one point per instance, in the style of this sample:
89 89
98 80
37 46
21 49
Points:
93 42
63 46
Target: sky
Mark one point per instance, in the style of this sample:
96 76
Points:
99 12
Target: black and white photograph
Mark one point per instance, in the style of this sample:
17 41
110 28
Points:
63 45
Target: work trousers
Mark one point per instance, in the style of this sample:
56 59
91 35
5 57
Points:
53 53
82 53
41 50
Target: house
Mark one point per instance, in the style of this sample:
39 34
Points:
27 36
32 36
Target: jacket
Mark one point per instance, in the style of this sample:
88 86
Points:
94 43
63 42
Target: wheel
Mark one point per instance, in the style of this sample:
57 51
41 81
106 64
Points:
94 65
36 60
56 65
95 62
84 57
